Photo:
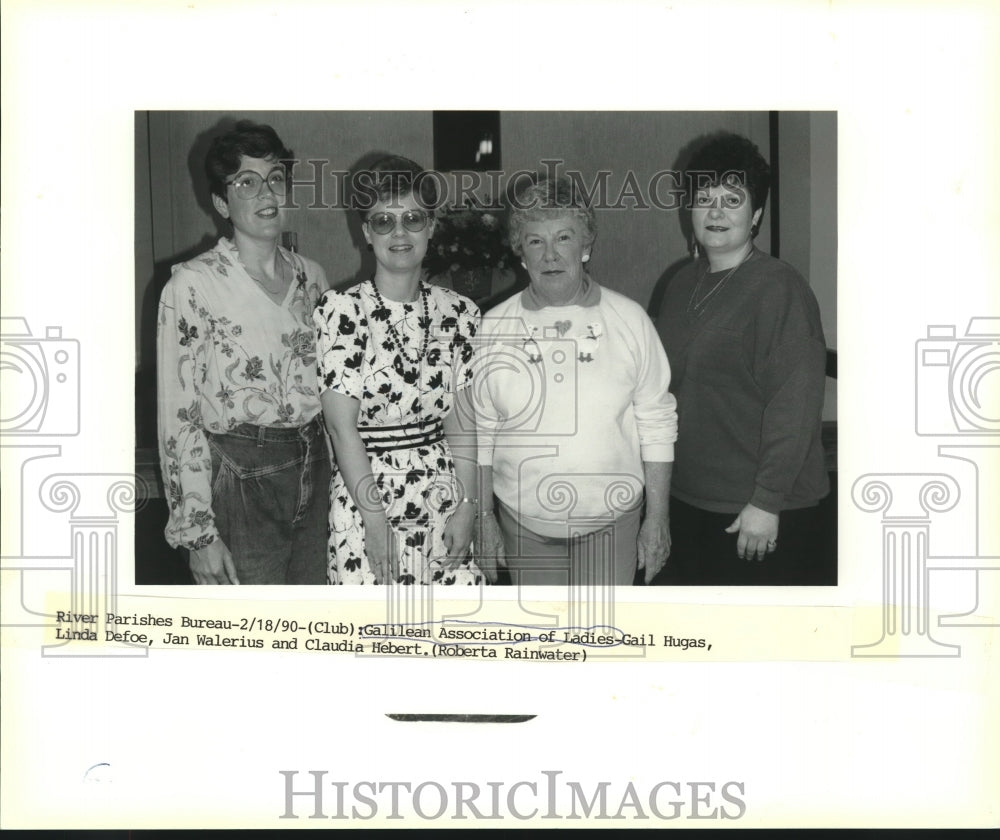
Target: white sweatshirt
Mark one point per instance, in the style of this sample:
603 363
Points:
570 401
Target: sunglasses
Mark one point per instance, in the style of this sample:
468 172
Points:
383 223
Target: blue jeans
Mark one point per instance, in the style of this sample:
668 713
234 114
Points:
270 497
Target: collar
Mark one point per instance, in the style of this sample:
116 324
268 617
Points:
589 295
706 269
228 244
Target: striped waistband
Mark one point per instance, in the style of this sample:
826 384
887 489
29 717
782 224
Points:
379 439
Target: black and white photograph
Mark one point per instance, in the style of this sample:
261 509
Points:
653 403
441 415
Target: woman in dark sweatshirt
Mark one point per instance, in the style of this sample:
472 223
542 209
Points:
743 335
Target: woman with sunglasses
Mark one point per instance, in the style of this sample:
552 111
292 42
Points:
394 359
242 448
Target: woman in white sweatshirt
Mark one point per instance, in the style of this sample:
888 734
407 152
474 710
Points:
576 423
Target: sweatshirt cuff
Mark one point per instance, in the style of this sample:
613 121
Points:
768 500
657 452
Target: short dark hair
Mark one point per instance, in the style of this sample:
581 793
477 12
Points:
390 178
726 155
246 139
547 198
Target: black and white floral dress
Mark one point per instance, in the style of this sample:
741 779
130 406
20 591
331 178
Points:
357 356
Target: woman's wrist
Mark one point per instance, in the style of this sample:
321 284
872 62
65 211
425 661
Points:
467 507
203 541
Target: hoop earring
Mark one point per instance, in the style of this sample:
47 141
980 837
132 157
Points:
371 247
694 249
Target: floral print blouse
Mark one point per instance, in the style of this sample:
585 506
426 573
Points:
227 354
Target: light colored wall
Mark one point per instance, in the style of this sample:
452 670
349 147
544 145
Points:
823 218
807 191
808 196
823 234
794 194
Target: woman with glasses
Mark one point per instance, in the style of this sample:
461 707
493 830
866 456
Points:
394 358
744 337
242 449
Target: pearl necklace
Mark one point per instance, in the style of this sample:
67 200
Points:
392 329
696 309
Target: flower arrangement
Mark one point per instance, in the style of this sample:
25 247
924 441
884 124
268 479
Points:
467 239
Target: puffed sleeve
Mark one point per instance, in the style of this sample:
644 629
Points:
341 340
184 454
654 406
312 279
464 344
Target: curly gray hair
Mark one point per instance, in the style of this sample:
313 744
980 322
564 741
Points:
548 198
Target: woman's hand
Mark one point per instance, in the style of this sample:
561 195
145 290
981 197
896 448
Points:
213 564
458 534
490 552
382 549
758 531
654 546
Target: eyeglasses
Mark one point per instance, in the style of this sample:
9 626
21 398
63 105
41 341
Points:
383 223
247 185
727 200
